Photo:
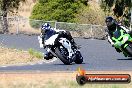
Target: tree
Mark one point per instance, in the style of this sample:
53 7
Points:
121 8
8 6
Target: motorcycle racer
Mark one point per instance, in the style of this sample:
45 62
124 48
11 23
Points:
113 26
47 31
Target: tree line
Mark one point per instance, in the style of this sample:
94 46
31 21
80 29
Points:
65 10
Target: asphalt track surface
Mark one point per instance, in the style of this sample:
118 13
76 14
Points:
98 55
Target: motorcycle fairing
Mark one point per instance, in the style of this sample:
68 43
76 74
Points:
51 40
121 38
66 43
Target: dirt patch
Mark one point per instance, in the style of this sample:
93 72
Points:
13 56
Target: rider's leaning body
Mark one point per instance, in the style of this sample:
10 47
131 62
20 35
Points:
112 27
47 32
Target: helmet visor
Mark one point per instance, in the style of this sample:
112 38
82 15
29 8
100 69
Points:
108 22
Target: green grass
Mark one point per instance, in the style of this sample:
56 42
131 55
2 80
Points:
51 84
73 84
60 84
35 53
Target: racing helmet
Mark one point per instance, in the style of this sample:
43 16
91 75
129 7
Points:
110 23
45 27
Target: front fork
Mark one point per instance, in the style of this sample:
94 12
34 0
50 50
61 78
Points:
49 50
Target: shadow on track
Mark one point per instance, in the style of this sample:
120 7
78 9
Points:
130 58
70 64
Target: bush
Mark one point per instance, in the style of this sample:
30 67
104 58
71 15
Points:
56 10
35 23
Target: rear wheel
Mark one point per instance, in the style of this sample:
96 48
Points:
62 54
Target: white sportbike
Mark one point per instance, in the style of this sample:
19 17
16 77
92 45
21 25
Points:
63 49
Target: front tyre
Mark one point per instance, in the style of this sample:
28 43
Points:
129 50
79 58
62 54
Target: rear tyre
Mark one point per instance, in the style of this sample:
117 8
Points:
79 58
62 55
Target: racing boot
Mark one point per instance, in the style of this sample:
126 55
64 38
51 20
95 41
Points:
48 56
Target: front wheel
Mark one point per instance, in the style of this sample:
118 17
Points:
79 58
129 50
62 54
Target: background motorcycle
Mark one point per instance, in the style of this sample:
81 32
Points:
123 41
62 49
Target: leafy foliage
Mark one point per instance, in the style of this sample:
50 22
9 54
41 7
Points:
106 4
121 8
8 6
57 10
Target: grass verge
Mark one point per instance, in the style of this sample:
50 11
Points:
15 56
35 53
50 80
